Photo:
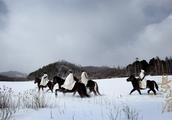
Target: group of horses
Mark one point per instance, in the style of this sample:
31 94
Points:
78 87
93 86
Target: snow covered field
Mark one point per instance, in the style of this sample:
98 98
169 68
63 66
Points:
115 104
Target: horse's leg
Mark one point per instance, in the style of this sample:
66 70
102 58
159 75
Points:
95 93
139 91
132 90
80 93
64 92
90 90
42 88
56 93
74 93
97 89
51 87
94 89
149 91
81 88
39 88
52 90
154 91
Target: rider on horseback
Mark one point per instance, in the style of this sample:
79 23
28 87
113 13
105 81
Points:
44 80
142 79
69 81
84 78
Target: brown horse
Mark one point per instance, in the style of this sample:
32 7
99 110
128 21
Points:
50 84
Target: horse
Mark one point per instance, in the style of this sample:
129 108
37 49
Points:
149 84
78 87
93 87
49 84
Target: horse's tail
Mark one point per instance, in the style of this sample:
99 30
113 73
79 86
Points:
156 85
97 88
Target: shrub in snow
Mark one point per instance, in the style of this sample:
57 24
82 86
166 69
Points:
168 105
7 104
114 113
35 100
130 114
122 113
165 84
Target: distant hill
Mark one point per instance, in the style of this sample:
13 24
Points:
3 77
13 76
61 69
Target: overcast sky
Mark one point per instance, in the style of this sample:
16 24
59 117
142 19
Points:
34 33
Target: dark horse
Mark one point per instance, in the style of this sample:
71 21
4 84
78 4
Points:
93 87
78 87
49 84
149 84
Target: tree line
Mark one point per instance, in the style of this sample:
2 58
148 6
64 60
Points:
154 66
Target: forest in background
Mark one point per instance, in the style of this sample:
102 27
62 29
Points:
154 66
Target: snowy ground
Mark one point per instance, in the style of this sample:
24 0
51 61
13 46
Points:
114 103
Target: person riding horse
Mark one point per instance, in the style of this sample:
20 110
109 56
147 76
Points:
90 84
69 85
84 78
142 79
44 80
69 82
